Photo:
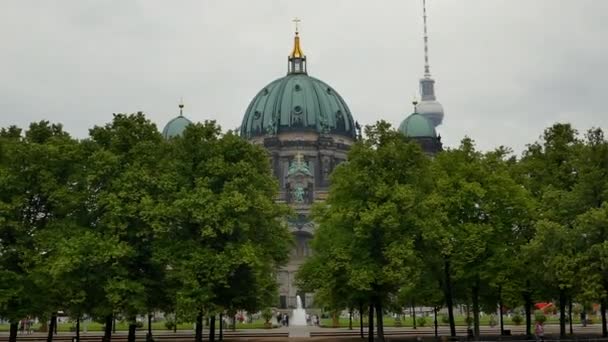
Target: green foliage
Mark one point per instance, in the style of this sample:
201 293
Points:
267 314
364 245
517 319
223 235
125 222
421 321
493 321
113 214
539 316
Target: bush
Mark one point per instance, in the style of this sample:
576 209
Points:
493 320
517 319
397 321
445 319
421 321
139 325
468 320
169 324
539 316
267 315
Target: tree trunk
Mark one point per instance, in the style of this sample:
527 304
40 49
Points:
435 321
78 329
221 327
603 305
107 331
448 297
361 319
370 323
113 323
414 314
570 315
528 308
234 323
52 327
149 335
562 313
212 328
502 322
350 319
198 334
132 329
13 332
380 320
475 294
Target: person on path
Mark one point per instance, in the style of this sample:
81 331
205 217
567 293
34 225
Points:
539 331
584 318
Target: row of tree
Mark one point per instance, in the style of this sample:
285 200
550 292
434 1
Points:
127 223
400 229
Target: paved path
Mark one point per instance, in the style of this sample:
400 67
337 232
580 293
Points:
299 331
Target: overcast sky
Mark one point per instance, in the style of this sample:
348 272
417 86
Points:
504 69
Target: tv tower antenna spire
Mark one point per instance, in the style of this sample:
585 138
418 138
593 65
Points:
427 71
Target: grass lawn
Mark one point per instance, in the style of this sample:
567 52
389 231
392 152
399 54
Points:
389 321
259 324
123 326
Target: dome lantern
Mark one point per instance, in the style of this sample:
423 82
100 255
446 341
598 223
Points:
296 62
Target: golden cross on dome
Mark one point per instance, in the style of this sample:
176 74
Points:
296 20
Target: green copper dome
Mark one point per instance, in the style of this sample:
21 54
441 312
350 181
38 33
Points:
417 126
297 103
175 127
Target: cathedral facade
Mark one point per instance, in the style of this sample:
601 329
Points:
307 129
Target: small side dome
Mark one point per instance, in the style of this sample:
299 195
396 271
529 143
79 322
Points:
417 126
177 125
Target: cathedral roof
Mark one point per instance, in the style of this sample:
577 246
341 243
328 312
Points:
417 126
297 103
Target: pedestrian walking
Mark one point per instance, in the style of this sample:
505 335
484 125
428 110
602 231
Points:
539 331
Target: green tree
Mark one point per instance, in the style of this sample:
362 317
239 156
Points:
224 224
375 209
129 180
37 183
14 281
591 197
549 169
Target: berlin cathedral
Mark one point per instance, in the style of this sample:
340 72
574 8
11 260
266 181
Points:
307 129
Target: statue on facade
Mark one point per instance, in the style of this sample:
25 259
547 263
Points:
298 193
298 165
